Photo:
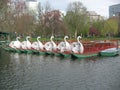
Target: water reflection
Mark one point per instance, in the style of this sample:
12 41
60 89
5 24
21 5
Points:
15 58
40 72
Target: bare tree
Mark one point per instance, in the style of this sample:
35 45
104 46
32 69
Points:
53 20
47 7
3 13
20 20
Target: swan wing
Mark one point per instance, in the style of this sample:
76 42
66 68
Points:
34 45
24 44
12 44
17 44
40 44
60 45
48 46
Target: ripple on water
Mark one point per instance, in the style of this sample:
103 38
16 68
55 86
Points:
39 72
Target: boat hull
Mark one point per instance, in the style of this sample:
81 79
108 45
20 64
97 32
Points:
109 52
83 55
65 55
49 53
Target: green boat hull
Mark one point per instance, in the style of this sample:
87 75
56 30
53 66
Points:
41 53
18 51
7 49
64 55
49 53
104 53
10 49
29 52
57 54
108 54
83 55
35 51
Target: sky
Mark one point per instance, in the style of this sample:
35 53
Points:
101 7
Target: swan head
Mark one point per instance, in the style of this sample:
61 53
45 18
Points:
28 37
79 37
17 38
66 37
52 36
38 37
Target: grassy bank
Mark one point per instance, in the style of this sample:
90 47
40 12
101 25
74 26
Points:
72 39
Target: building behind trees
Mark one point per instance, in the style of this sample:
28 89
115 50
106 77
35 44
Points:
114 10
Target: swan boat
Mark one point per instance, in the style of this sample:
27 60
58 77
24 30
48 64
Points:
65 49
50 47
99 48
37 47
109 52
79 50
13 46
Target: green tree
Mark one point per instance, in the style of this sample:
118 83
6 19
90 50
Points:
110 27
98 25
77 18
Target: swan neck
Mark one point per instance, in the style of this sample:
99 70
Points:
51 39
65 39
27 38
37 39
78 40
17 39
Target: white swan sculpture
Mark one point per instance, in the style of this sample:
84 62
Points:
15 44
50 46
26 44
37 45
77 47
11 44
64 45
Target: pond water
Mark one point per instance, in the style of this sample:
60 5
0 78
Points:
40 72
